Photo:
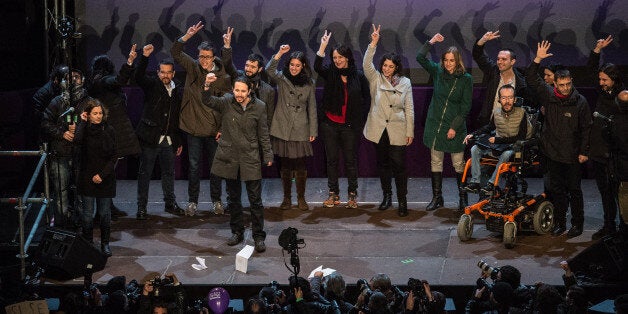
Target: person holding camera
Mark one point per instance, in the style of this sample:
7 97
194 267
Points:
331 288
154 301
378 283
421 299
304 301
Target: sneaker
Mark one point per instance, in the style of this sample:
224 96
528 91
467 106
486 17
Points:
235 239
472 187
488 188
260 246
332 200
175 209
191 210
352 202
219 209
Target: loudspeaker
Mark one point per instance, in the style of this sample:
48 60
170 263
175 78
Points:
604 261
65 255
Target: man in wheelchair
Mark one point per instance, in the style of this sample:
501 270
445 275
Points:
510 124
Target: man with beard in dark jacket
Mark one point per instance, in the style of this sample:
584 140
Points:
610 83
58 126
564 141
158 129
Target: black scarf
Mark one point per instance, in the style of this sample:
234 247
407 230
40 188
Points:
300 79
337 93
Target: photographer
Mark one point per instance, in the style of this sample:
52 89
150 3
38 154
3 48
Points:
271 298
332 287
421 299
154 300
304 301
379 283
522 296
499 299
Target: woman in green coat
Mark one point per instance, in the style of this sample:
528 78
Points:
445 126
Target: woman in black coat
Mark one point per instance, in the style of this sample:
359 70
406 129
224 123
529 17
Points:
96 178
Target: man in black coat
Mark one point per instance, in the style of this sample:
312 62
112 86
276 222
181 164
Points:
610 84
158 129
564 141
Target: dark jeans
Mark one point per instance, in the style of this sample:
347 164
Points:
60 172
196 145
566 191
254 192
603 182
344 137
147 164
391 162
87 219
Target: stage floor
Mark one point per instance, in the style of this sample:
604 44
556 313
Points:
356 242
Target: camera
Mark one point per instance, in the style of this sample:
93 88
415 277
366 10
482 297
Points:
365 291
416 286
481 283
133 291
158 283
488 269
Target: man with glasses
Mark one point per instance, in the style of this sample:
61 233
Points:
564 141
201 123
510 125
158 129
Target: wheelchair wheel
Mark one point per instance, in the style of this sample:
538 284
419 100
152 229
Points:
510 235
465 227
544 218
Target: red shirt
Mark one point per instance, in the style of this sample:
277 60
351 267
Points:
343 117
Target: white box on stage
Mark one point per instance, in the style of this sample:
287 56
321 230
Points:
242 258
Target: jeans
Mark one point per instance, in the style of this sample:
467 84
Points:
60 172
391 162
104 209
196 145
476 156
344 137
566 191
147 164
604 186
234 194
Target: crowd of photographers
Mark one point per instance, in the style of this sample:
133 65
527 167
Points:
498 290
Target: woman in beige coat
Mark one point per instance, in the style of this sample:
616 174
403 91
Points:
390 122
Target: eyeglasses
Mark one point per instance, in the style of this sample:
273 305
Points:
507 97
205 57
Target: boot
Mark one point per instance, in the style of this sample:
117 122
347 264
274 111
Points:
387 188
105 232
301 176
437 192
141 213
88 234
286 182
402 210
463 201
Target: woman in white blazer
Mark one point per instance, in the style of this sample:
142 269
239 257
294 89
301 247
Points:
390 122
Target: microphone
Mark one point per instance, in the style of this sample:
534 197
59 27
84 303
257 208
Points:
603 117
70 110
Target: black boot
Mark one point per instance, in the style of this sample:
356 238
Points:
402 210
401 183
386 183
286 182
141 213
105 232
301 178
88 234
437 192
560 222
463 201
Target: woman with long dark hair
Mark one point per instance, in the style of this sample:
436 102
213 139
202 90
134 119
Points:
294 125
346 96
445 126
96 181
390 122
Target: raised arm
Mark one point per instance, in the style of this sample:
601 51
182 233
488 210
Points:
479 56
140 72
178 55
367 64
273 63
320 54
533 79
429 65
227 55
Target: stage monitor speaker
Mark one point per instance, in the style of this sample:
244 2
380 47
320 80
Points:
65 255
604 261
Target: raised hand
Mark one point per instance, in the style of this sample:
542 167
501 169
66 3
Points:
193 30
325 38
437 38
226 38
375 35
603 43
541 50
210 78
147 50
283 49
488 37
132 54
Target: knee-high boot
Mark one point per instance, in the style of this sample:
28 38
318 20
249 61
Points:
401 183
437 192
301 177
105 232
463 201
286 182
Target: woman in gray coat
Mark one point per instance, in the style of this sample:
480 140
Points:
294 125
390 122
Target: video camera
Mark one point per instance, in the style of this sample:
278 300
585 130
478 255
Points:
159 282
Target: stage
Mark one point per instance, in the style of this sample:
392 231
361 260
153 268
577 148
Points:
356 242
